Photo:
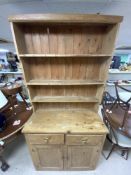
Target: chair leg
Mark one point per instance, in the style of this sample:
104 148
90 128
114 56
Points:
124 119
4 165
12 105
23 99
113 146
125 154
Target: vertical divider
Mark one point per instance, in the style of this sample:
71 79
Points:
48 33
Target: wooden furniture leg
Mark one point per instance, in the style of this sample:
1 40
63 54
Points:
23 99
4 165
12 105
125 153
112 148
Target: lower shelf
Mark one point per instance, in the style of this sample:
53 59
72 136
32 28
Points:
64 99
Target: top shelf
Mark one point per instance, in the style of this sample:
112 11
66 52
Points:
67 18
65 55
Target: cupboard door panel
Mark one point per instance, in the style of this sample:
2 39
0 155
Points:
47 157
82 157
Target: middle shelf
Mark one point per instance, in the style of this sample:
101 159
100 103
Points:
65 99
65 55
66 68
65 82
64 93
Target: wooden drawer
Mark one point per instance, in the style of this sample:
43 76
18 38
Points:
46 138
84 139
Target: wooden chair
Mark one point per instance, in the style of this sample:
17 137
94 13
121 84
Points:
4 104
19 112
123 99
10 90
117 138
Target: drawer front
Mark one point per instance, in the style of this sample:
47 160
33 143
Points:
46 138
84 139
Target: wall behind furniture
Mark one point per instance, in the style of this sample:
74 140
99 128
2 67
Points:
113 7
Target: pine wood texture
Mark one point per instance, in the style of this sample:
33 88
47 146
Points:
64 99
64 55
64 82
83 139
65 68
47 157
57 106
65 122
77 156
65 39
87 161
65 60
63 18
52 139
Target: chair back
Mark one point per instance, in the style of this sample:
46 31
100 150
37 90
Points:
123 95
116 135
112 134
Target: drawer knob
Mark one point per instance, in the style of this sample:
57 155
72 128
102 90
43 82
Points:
85 140
46 139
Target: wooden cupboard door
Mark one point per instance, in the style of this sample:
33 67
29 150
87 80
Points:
47 157
82 157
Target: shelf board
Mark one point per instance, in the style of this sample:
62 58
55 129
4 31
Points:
66 18
64 55
65 82
60 99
